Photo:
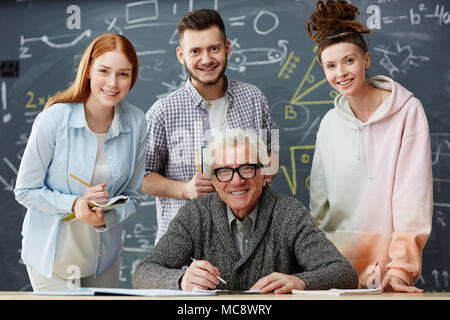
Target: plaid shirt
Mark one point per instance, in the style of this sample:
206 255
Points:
178 125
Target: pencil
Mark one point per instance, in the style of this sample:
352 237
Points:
198 163
70 216
219 278
79 180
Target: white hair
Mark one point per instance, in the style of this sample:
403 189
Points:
233 138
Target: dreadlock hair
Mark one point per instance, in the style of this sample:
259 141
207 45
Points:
334 22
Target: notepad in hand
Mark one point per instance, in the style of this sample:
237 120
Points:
111 203
108 205
339 292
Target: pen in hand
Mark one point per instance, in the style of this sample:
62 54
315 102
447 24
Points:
219 278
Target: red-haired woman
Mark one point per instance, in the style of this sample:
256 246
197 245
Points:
87 131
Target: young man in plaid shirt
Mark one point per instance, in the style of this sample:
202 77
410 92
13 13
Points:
180 124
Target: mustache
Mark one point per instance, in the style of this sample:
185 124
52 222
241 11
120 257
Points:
222 73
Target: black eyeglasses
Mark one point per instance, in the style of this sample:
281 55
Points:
245 171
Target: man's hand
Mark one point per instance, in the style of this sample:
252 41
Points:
278 283
200 185
200 274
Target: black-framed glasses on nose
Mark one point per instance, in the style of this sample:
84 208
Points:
245 171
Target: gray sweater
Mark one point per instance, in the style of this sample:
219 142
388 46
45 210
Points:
285 240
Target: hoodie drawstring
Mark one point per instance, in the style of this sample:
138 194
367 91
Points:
358 136
369 158
364 143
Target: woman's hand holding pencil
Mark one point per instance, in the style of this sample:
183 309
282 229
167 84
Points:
95 193
81 207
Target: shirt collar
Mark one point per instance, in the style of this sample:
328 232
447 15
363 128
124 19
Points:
119 124
78 119
253 215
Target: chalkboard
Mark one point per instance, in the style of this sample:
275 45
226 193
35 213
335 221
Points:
41 44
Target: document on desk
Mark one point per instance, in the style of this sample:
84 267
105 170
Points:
124 292
339 292
219 291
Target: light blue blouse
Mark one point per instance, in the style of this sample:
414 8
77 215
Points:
61 143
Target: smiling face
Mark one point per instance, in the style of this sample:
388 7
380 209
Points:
110 79
204 53
345 67
241 195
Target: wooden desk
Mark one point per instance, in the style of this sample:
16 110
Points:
28 295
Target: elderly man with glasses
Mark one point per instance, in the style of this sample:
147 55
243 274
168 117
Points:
244 236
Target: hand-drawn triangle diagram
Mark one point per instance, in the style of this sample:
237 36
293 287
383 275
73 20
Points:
306 92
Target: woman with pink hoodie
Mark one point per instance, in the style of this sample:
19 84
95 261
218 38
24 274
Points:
371 177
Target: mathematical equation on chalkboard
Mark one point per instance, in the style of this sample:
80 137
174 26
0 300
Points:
422 13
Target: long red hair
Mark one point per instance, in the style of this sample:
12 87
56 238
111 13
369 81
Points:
80 89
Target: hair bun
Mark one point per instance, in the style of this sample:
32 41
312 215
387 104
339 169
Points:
333 18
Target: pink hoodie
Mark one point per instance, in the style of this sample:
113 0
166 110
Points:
371 185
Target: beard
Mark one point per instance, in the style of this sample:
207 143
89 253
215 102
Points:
210 82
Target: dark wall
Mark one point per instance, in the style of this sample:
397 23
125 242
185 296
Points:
270 48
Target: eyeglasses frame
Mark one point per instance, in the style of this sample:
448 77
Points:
254 165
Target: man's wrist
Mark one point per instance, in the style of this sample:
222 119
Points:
184 192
